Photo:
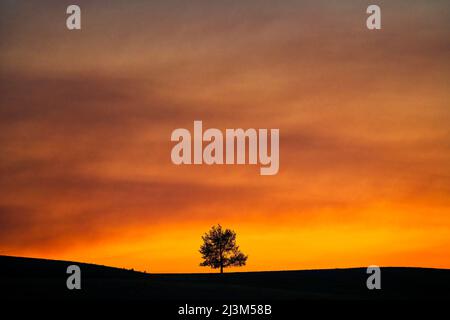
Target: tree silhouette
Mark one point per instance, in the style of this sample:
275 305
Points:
219 249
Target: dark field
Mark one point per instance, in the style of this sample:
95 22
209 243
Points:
26 278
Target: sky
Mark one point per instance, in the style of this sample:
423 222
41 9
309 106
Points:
86 118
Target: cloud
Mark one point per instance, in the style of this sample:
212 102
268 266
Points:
86 117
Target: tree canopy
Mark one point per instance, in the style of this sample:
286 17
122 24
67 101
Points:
219 249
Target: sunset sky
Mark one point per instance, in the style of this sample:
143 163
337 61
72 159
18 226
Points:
364 118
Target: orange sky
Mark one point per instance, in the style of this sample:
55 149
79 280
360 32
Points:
364 119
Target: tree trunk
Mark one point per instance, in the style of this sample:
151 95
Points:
221 257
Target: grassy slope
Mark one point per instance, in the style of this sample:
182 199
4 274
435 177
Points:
46 279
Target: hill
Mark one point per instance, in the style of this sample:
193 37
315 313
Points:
29 278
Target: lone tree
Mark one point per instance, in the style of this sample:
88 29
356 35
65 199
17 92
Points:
219 249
